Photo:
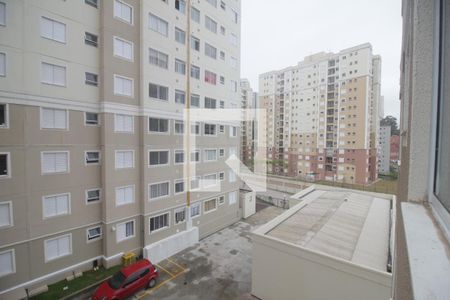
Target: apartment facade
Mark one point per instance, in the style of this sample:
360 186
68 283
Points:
322 116
249 125
92 153
384 158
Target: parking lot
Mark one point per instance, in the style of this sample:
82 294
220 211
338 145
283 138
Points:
218 267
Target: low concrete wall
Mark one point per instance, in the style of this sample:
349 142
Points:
165 248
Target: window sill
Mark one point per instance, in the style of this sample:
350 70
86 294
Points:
428 253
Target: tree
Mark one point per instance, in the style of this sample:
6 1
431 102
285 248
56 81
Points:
391 121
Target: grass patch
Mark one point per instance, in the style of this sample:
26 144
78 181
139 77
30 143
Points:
56 290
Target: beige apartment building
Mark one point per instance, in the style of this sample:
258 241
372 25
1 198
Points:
249 125
322 116
92 160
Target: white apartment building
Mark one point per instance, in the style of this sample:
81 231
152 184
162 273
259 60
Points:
92 158
323 116
249 125
384 158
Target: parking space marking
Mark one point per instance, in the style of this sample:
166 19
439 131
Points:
182 268
160 267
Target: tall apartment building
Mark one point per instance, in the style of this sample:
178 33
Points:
322 116
248 126
91 131
384 158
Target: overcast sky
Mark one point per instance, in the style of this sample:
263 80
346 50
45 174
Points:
280 33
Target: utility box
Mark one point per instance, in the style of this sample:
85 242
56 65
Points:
248 203
128 258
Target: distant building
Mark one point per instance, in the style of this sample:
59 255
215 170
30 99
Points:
395 145
384 157
248 127
322 116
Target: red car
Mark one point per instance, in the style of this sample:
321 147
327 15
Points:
127 281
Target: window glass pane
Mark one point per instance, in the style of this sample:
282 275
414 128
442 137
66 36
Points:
442 186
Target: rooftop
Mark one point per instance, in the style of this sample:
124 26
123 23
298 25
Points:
347 224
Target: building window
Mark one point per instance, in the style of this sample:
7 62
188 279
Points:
2 64
92 3
210 24
123 48
91 118
56 205
6 214
223 5
195 72
90 39
210 205
210 51
58 247
180 215
123 11
195 43
195 210
179 186
195 128
195 15
55 162
5 165
209 180
210 155
124 159
231 176
232 198
222 80
210 103
158 158
53 30
221 152
179 127
158 125
180 67
53 118
159 190
195 100
158 92
53 74
233 131
123 123
180 36
180 97
179 156
3 14
92 196
221 129
124 195
123 86
212 2
221 176
210 129
195 156
158 58
235 16
222 104
159 25
7 262
94 233
125 231
221 200
159 222
92 157
180 5
91 79
195 183
210 77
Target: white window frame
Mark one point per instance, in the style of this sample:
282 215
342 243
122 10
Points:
51 173
3 72
159 132
85 119
177 210
212 210
115 157
209 135
159 165
127 237
131 22
196 204
97 238
52 38
69 206
162 228
11 214
223 200
92 164
115 54
236 194
87 197
13 258
199 179
204 181
8 165
175 152
4 14
232 177
53 128
126 78
53 83
160 20
123 187
175 122
132 124
6 126
61 256
184 181
159 197
205 157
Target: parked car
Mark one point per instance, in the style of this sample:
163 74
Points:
127 281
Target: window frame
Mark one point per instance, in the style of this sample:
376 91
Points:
52 38
158 165
99 237
115 123
8 165
162 228
159 132
87 196
178 210
126 237
212 210
53 173
180 180
11 214
86 120
41 121
115 159
61 256
69 210
159 197
196 204
13 262
86 163
116 204
6 126
131 22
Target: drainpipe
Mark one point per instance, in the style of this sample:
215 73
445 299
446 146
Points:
187 128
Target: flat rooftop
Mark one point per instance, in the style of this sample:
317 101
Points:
347 224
